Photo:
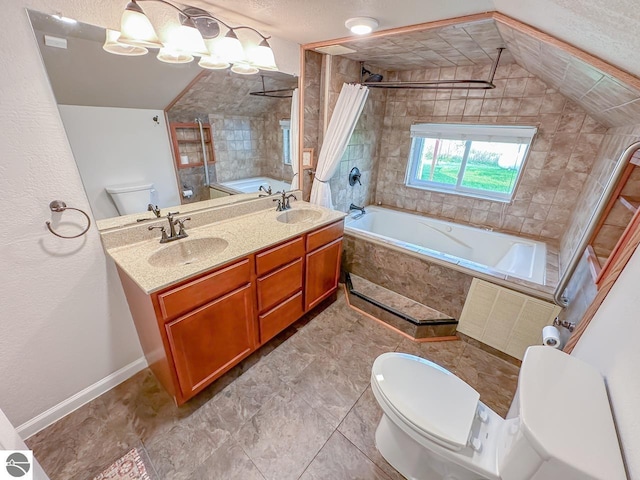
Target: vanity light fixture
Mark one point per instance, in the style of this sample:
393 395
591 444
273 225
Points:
361 25
112 45
197 36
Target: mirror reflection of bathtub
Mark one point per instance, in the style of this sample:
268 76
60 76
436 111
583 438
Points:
249 185
500 256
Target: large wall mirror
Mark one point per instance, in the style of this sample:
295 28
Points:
184 134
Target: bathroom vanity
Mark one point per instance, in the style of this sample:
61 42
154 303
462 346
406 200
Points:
202 304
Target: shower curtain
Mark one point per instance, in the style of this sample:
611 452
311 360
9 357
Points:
294 141
343 121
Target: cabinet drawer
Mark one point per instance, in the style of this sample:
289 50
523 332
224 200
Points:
324 235
208 341
279 318
184 298
279 285
278 256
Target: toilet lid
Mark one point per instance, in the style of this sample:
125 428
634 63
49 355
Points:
427 396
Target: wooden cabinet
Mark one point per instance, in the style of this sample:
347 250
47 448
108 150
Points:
213 338
322 273
195 331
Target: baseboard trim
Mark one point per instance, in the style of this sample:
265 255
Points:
55 413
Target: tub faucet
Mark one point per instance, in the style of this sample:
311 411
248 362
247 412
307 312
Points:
265 190
355 207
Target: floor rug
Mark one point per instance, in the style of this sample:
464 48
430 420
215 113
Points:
130 466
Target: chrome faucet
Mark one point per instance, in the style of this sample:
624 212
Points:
265 190
355 207
283 203
173 235
154 209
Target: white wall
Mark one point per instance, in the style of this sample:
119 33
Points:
114 146
611 344
64 321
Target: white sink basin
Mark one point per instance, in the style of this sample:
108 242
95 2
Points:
301 215
187 251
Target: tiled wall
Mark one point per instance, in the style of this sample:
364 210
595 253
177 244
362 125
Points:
239 144
312 124
250 146
561 157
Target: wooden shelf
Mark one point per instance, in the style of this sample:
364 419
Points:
191 146
631 204
604 240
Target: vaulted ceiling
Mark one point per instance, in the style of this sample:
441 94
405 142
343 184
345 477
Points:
607 29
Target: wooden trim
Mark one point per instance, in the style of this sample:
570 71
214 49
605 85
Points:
409 28
592 60
175 142
185 90
619 260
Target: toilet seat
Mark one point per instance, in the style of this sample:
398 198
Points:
428 398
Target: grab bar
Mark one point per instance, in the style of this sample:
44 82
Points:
593 222
59 206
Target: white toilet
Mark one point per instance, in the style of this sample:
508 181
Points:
131 198
560 426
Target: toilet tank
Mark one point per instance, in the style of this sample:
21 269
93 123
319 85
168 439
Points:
131 198
564 429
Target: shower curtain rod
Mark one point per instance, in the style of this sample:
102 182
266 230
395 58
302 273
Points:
440 84
279 93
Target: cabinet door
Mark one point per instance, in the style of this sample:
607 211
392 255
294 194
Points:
210 340
322 273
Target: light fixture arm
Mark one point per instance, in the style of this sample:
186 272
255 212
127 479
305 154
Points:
205 15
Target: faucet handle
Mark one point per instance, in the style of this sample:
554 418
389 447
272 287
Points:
180 222
162 230
280 206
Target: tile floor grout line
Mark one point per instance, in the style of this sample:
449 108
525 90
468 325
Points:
317 453
251 460
366 456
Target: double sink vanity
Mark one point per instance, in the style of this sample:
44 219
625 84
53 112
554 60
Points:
243 274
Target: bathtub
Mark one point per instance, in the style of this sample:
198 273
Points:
468 247
250 185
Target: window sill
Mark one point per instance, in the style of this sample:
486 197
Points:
460 193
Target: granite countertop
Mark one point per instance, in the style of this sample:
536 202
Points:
245 234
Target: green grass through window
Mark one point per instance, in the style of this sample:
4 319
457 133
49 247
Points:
485 177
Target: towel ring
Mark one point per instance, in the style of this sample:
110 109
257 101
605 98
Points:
59 206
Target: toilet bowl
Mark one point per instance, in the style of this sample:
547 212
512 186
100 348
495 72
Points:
435 427
131 198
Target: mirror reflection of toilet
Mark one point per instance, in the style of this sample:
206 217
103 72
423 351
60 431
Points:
560 425
131 198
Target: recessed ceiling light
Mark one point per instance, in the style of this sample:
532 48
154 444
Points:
361 25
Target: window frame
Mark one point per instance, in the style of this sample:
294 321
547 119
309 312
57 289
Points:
285 125
469 133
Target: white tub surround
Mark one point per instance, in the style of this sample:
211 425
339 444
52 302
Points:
253 184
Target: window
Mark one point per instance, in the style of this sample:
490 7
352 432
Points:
285 125
482 161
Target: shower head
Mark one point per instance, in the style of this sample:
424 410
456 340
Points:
371 77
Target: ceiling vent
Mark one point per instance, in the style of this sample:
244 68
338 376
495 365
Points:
335 50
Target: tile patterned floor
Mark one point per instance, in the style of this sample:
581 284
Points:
300 408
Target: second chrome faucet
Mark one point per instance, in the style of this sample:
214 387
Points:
173 235
283 203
